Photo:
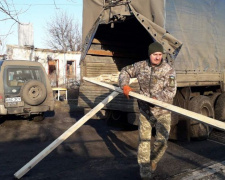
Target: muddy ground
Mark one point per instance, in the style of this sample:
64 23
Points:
95 151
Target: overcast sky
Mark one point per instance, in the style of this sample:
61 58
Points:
38 12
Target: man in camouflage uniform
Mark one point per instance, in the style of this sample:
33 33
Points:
157 79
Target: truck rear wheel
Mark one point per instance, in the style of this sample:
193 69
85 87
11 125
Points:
201 105
220 108
115 117
133 118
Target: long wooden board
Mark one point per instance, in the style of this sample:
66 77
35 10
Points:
199 117
63 137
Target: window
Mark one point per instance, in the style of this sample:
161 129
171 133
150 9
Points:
18 76
15 77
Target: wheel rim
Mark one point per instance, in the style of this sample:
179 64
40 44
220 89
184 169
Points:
205 111
34 92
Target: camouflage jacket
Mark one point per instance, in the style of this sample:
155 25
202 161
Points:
159 82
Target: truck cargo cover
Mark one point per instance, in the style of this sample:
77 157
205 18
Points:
200 25
150 13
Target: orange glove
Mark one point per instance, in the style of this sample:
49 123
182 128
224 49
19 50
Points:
126 90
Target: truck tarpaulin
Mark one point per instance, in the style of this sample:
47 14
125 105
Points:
200 25
151 16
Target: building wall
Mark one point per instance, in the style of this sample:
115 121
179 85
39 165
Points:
44 56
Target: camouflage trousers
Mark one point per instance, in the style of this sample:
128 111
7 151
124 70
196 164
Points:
145 154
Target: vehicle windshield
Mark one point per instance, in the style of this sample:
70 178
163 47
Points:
15 77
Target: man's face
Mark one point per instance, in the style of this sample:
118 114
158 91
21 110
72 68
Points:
156 58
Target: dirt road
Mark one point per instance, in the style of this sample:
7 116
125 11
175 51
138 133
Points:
95 151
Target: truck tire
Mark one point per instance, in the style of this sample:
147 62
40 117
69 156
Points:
220 108
115 117
33 92
133 118
201 105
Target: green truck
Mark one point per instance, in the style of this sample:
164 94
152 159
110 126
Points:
117 33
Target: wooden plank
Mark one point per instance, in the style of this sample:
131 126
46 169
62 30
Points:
114 43
96 41
99 64
95 73
104 68
63 137
100 52
199 117
107 59
116 48
111 53
99 71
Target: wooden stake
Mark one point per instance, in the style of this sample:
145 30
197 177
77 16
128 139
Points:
63 137
199 117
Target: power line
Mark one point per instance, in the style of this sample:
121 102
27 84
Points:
47 4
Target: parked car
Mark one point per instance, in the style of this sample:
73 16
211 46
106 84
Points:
24 89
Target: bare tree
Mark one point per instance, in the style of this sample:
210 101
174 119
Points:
8 12
8 8
63 33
